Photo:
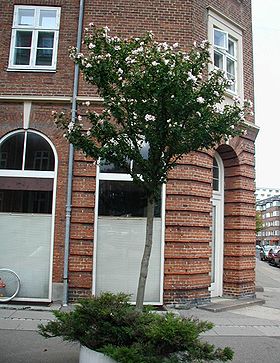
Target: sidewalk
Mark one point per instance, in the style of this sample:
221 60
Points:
253 320
252 331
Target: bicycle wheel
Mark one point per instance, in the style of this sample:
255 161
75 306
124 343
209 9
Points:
9 284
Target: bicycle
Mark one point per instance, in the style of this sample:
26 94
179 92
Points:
9 284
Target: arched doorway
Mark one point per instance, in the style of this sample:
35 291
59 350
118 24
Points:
217 244
27 192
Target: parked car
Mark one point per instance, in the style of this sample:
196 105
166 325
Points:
272 254
277 258
264 252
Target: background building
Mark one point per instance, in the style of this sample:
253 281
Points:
270 213
205 232
264 193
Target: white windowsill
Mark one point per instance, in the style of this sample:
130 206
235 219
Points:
31 70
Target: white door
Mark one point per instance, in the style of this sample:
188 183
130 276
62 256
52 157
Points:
217 244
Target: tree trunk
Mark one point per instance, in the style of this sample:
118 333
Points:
146 254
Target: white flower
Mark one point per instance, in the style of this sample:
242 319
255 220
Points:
200 100
191 77
218 108
203 44
172 96
88 65
216 93
80 118
53 113
71 126
149 117
195 44
117 47
88 133
175 45
120 71
237 99
248 103
198 114
87 103
154 63
91 45
166 61
90 24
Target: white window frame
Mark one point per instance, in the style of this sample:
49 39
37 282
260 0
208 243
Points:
223 51
37 174
128 178
35 29
233 32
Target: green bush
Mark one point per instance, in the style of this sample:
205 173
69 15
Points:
109 324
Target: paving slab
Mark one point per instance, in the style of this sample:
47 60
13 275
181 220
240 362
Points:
9 324
28 325
4 313
237 331
260 312
35 315
269 331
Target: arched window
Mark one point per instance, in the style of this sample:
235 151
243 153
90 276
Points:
216 175
27 190
27 165
217 227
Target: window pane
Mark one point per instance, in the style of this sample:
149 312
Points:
39 154
22 56
218 60
25 17
106 167
23 39
45 40
48 19
230 66
124 199
231 47
11 152
216 175
44 57
26 201
220 38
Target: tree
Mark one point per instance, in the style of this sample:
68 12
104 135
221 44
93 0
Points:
259 222
154 96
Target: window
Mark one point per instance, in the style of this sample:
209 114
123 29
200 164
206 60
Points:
216 179
26 176
34 38
226 38
225 55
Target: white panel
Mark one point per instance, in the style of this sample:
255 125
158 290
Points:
25 243
120 246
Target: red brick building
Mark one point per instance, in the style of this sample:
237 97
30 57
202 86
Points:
205 233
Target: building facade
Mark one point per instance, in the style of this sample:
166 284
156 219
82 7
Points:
269 210
204 242
264 193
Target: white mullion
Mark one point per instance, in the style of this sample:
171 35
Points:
24 150
34 48
55 46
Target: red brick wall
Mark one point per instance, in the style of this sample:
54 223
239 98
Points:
189 189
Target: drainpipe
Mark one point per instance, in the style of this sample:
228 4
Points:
71 162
